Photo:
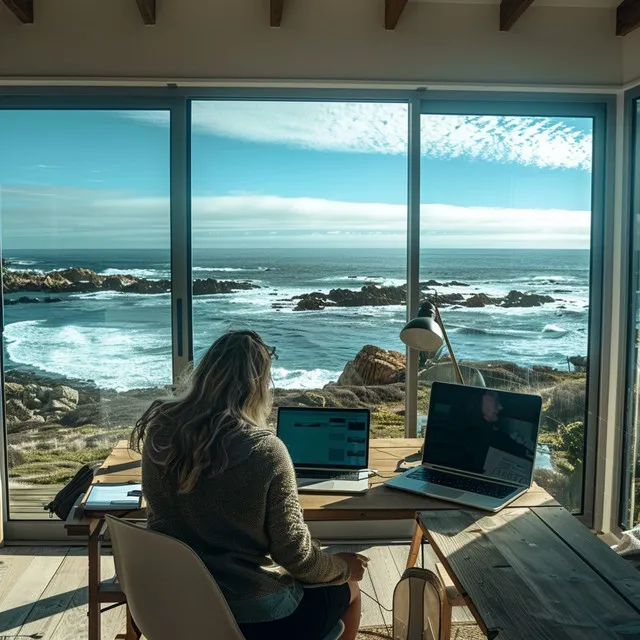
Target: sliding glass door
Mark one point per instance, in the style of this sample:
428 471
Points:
299 232
84 203
505 254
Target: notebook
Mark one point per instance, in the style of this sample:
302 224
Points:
111 497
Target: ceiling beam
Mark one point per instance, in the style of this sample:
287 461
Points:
277 9
22 9
627 17
392 11
511 11
147 11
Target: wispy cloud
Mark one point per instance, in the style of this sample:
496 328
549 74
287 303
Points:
63 217
382 128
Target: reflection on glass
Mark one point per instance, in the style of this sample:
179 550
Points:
86 277
505 243
300 217
630 514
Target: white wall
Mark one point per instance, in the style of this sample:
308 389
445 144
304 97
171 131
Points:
631 57
319 40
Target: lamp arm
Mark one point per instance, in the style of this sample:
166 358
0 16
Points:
453 355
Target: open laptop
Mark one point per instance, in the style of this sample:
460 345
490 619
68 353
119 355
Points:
479 449
329 447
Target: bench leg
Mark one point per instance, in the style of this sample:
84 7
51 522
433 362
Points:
416 544
94 552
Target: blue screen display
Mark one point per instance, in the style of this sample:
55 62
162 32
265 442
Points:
325 437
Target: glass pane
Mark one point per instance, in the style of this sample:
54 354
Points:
505 244
84 200
299 232
631 482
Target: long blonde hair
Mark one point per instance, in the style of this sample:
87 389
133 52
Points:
228 392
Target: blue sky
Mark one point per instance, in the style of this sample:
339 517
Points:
293 174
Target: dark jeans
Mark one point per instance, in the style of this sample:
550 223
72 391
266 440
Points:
318 612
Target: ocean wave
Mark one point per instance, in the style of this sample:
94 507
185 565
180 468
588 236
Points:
553 328
233 269
303 378
137 273
379 280
93 353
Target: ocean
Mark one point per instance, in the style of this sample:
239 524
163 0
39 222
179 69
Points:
122 341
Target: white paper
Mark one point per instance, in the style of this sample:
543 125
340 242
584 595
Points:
108 496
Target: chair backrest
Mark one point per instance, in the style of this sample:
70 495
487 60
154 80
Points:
170 592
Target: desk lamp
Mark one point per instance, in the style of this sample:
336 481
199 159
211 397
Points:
426 332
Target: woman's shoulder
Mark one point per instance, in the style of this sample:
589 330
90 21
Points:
269 445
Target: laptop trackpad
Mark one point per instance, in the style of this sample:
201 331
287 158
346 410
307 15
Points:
319 485
445 492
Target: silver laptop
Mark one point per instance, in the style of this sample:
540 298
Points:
329 447
479 448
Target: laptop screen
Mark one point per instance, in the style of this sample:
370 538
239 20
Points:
482 431
331 438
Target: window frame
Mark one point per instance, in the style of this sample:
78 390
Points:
631 195
177 100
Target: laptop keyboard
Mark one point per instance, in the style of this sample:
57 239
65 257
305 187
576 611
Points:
320 474
462 483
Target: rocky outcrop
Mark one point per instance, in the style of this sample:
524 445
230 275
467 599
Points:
81 280
211 287
372 366
372 295
28 300
31 404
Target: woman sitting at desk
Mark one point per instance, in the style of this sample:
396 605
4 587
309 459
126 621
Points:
217 480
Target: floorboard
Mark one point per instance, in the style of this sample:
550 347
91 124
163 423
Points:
43 591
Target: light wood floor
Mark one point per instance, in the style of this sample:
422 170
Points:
43 591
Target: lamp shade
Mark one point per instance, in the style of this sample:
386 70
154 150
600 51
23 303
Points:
423 332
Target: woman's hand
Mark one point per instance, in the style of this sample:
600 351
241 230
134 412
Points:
357 564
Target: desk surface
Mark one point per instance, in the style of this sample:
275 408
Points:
379 503
536 573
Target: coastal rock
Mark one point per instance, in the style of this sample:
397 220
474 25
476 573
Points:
580 363
84 414
312 302
13 390
478 300
28 300
372 366
519 299
148 287
310 399
81 280
211 287
16 412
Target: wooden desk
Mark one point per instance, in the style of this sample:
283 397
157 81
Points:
379 503
536 573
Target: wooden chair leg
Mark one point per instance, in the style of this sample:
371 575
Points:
416 544
133 633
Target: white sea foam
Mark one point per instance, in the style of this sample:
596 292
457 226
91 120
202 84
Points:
136 273
303 378
232 269
358 281
553 328
93 353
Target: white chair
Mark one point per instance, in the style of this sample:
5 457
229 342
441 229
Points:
170 593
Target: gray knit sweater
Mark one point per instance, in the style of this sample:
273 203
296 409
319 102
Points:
240 520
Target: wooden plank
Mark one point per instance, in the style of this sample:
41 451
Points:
19 602
21 9
47 613
524 582
384 577
14 561
511 11
276 11
627 17
399 552
147 10
613 568
371 612
392 11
